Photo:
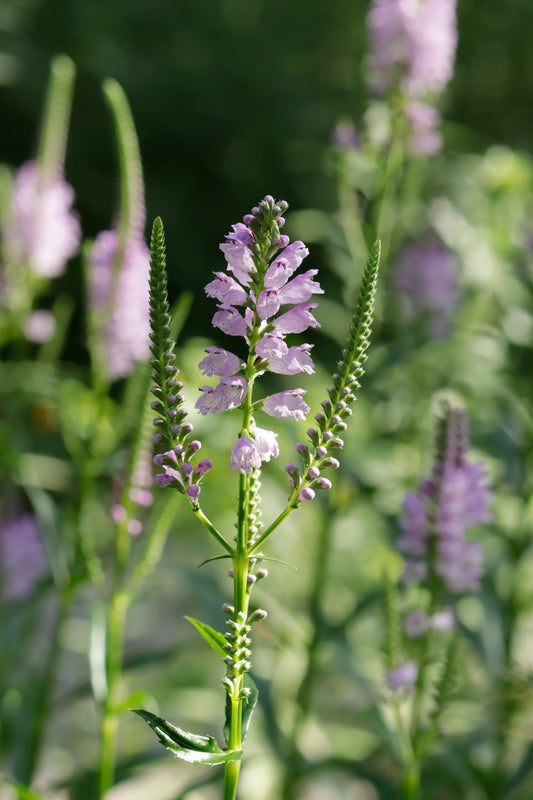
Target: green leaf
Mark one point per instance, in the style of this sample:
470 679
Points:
248 707
249 704
276 561
213 638
213 558
23 793
188 746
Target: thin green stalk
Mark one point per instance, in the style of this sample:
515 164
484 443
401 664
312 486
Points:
411 785
303 698
197 511
27 757
116 621
387 208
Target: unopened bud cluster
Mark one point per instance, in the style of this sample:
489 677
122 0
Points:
325 438
174 435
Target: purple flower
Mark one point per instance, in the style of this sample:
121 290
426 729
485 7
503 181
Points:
226 290
268 303
403 677
237 253
286 404
22 557
118 293
245 456
437 518
425 139
412 45
345 135
39 326
230 321
266 444
282 359
297 320
300 289
219 362
42 230
227 394
425 277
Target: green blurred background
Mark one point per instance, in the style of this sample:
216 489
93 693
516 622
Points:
234 99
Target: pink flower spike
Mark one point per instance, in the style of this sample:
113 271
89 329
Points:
226 289
228 394
266 444
219 362
297 320
42 230
230 321
306 495
244 456
286 404
300 289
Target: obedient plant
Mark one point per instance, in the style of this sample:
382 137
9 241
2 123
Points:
443 563
41 231
118 262
261 299
412 49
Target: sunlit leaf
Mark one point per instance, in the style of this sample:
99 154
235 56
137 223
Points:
188 746
213 638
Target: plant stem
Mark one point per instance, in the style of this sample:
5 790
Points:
411 783
303 698
115 623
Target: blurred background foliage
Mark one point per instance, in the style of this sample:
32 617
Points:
233 99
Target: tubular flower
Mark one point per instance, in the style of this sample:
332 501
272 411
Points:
262 263
437 517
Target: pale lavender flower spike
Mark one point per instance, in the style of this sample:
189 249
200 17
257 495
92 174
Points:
425 278
437 517
43 231
119 262
118 291
263 286
412 45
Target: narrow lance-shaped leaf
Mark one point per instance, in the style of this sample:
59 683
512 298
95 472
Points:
213 638
188 746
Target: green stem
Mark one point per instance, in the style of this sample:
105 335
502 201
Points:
116 623
303 698
411 782
199 514
386 217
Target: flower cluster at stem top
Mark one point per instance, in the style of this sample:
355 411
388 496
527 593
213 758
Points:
252 293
